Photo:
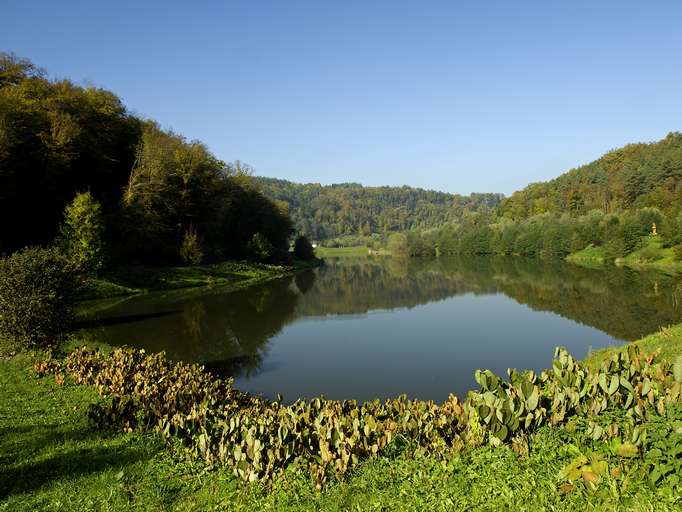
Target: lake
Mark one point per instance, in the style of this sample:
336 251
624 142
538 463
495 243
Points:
364 328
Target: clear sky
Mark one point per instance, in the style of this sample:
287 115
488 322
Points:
455 96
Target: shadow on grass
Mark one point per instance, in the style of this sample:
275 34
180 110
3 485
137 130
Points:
33 457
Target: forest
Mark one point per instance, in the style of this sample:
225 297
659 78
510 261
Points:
626 201
76 167
325 212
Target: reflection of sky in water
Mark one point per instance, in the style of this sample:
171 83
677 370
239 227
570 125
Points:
426 352
376 328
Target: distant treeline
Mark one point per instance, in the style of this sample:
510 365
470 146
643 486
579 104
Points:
324 212
162 198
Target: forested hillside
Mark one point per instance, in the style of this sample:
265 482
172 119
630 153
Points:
625 206
162 199
322 212
635 176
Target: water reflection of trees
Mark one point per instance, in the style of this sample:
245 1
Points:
231 331
226 331
624 303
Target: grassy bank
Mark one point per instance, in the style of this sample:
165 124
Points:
652 255
133 280
341 252
51 458
668 341
590 256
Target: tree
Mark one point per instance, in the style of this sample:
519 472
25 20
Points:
260 247
397 245
303 249
190 250
82 233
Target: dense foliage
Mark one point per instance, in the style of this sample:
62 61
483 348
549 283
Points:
157 191
547 234
37 289
609 204
303 249
632 177
259 438
325 212
81 235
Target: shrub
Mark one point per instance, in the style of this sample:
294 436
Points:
614 248
190 250
81 233
677 250
303 249
259 438
260 247
650 253
36 297
397 244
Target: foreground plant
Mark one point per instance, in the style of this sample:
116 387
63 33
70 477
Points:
37 288
258 438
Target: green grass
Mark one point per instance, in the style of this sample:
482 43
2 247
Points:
652 255
590 256
668 340
341 252
51 458
133 280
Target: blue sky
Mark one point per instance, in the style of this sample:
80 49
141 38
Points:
454 96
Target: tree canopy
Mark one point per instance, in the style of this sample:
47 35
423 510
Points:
156 190
323 212
634 176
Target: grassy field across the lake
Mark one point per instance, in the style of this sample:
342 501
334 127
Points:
52 458
340 252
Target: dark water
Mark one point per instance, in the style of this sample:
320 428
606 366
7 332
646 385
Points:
366 328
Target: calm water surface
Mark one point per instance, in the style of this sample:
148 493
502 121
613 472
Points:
368 328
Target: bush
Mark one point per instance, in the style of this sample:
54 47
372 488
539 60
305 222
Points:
190 250
303 249
260 248
36 298
677 250
81 234
397 244
650 253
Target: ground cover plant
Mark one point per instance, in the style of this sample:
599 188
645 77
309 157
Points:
259 439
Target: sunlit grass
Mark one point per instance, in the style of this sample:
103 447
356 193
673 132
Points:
51 458
340 252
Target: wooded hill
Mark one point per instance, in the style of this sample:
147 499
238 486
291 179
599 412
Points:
327 211
632 177
163 199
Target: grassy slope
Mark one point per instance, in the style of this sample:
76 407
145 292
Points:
589 256
339 252
52 459
663 257
668 340
641 258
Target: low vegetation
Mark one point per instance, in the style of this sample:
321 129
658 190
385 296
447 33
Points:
339 252
590 440
141 279
37 290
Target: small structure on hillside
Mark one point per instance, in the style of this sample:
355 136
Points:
653 229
